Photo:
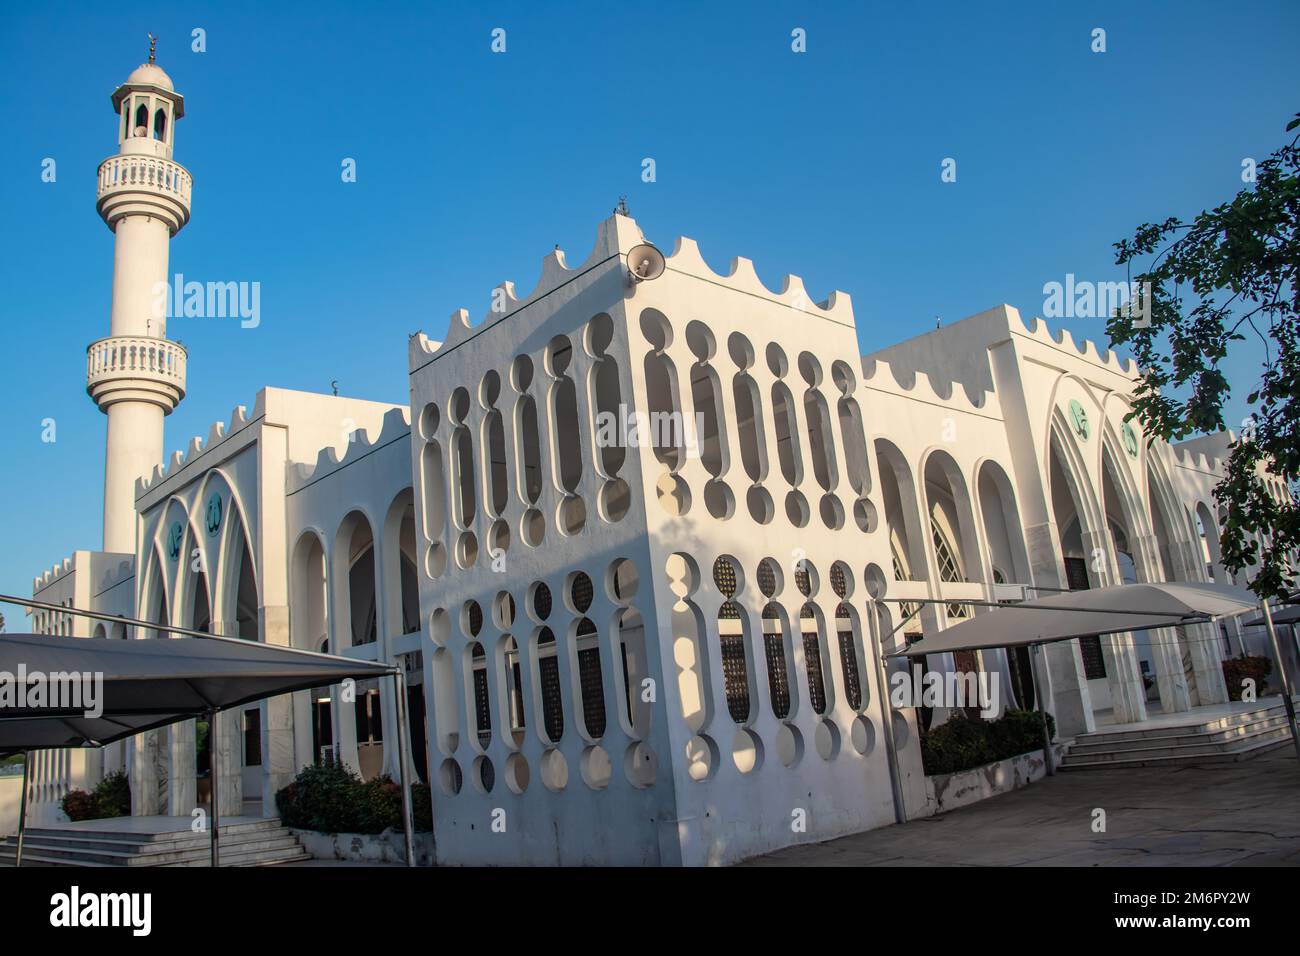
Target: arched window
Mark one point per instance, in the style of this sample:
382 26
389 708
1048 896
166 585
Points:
142 118
160 125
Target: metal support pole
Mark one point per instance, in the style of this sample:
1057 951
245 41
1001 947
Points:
22 807
887 717
1036 653
214 747
404 762
1286 681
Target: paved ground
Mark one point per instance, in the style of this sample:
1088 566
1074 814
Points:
1246 813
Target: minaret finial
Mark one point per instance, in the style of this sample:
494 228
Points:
153 47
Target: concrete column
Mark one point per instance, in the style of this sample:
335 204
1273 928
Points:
147 774
1171 681
1066 697
227 749
183 794
278 764
1123 674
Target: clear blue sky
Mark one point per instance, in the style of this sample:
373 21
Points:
471 166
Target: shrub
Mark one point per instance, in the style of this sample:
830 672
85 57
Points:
333 799
113 795
963 744
110 798
1238 669
79 805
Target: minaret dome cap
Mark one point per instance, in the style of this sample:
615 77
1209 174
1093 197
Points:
150 74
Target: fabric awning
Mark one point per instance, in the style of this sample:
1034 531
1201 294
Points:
1061 617
148 683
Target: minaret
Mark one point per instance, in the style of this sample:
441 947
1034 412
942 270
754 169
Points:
135 375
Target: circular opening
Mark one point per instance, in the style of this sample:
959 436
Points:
499 538
761 506
810 369
639 764
521 373
701 757
747 750
674 494
719 500
471 618
450 777
864 515
621 581
439 626
571 515
841 580
517 773
826 738
700 340
806 578
559 353
597 768
770 578
580 592
429 421
615 499
532 527
874 580
863 734
459 405
796 509
539 601
741 352
843 377
503 610
435 559
656 328
554 770
777 363
727 576
485 776
600 332
683 574
789 744
467 549
490 388
832 512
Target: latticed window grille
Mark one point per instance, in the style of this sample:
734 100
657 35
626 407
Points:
475 618
945 557
766 577
812 656
581 593
542 601
593 691
724 576
778 679
548 672
838 584
482 712
802 581
735 675
849 662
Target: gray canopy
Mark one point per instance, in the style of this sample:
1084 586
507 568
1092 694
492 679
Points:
150 683
1290 614
1123 607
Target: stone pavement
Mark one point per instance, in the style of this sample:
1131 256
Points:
1246 813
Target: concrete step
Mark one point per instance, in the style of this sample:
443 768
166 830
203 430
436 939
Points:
1207 747
261 843
1177 737
1209 726
1242 752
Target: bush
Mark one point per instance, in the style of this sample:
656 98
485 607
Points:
1238 669
79 805
113 795
111 798
963 744
333 799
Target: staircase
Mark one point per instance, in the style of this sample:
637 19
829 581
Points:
1224 739
260 843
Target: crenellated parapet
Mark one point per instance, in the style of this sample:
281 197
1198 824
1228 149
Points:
217 434
879 375
396 424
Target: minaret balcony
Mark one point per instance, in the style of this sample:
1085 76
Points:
144 186
128 368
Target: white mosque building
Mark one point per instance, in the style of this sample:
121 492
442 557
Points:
644 648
